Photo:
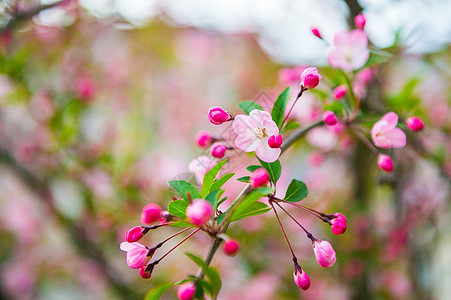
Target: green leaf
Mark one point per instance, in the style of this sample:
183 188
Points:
181 224
218 183
244 179
221 201
297 191
248 106
253 209
182 187
210 273
290 125
156 293
178 208
278 111
274 169
253 168
248 200
210 177
213 197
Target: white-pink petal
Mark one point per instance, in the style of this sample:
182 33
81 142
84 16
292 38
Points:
266 153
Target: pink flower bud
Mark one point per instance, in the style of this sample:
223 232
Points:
134 234
316 32
150 213
145 274
385 163
136 254
203 138
199 212
186 291
275 141
414 124
217 115
329 118
310 78
218 150
259 178
324 253
360 21
301 279
231 247
339 223
365 76
339 92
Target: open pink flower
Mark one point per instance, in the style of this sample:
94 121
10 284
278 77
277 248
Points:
136 254
351 51
385 134
253 134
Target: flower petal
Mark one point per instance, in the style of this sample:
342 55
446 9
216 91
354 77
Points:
260 117
126 246
266 153
391 118
397 137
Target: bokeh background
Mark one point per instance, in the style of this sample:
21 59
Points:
100 101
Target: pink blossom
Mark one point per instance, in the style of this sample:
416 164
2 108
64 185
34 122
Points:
385 134
350 52
414 124
316 32
301 279
339 223
134 234
275 141
310 78
385 163
360 21
290 75
217 115
259 178
145 274
150 213
231 247
203 138
136 254
186 291
199 212
85 88
253 133
324 253
329 118
339 92
200 166
218 150
365 76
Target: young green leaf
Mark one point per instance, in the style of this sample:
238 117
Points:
252 168
182 187
211 274
274 169
210 177
178 208
213 197
244 179
290 125
248 106
253 209
218 183
278 111
297 191
248 200
156 293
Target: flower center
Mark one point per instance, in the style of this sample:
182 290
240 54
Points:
260 133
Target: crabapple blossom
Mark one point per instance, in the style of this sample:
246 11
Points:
136 254
134 234
316 32
329 118
310 78
150 213
301 279
385 163
218 150
385 134
339 223
231 247
199 212
339 92
275 141
324 253
217 115
145 274
203 138
259 178
253 133
414 123
350 52
186 291
360 21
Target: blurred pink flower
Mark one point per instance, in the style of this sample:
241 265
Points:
350 52
199 212
310 78
136 254
253 134
200 166
385 134
385 163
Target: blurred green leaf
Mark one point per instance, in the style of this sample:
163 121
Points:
256 208
406 101
156 293
178 208
297 191
290 125
248 106
278 110
253 168
244 179
274 170
213 197
183 187
210 273
210 177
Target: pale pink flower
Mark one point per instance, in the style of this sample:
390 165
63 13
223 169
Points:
136 254
200 166
259 178
385 163
253 133
199 212
324 253
385 134
350 52
186 291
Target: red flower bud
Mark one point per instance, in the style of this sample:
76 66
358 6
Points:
259 178
134 234
217 115
275 141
